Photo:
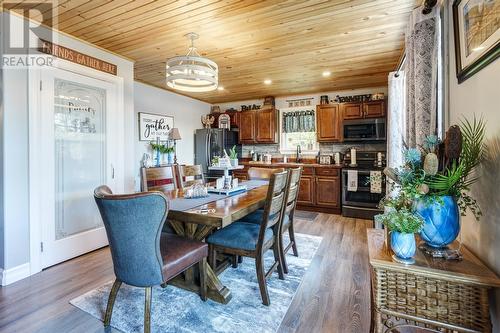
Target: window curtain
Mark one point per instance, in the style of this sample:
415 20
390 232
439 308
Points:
396 126
422 68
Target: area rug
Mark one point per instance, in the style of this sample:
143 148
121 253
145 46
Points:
176 310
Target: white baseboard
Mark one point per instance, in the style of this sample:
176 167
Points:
14 274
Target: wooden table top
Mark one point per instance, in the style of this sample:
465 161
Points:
469 270
227 210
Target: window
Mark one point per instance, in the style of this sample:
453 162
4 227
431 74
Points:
298 128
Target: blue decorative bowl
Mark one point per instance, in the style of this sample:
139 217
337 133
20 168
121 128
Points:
403 245
441 221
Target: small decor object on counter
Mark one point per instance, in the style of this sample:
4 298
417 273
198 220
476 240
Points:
207 121
215 109
146 161
196 191
323 100
325 159
267 158
233 156
224 121
215 161
337 158
353 157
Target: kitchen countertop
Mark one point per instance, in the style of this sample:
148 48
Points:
291 164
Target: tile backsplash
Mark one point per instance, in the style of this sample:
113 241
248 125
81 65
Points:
325 148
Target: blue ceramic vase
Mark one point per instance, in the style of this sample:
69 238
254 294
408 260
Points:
441 221
403 244
170 158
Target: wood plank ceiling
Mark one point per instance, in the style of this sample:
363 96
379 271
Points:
290 42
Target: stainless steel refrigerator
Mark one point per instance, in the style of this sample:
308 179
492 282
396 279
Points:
210 142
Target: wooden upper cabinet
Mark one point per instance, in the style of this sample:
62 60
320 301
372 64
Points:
352 110
329 123
266 126
247 121
374 109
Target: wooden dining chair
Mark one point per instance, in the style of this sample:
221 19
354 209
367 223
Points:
158 179
253 240
257 217
190 175
142 255
262 173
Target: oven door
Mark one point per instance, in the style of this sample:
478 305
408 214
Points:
364 130
362 197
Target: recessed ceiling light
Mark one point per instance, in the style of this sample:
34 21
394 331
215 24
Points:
479 48
220 88
268 81
326 73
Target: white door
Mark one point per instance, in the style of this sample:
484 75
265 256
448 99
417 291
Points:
78 148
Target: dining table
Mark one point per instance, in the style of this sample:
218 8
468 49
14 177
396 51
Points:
196 218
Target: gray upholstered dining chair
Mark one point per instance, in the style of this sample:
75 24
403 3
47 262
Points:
253 240
292 192
142 255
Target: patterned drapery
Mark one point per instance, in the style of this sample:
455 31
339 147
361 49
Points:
423 61
396 119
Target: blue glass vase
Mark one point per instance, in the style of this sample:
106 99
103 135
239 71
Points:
403 244
170 158
441 220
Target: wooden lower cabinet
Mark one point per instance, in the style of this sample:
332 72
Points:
306 191
328 192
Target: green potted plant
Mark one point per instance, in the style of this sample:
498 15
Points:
168 152
233 156
157 148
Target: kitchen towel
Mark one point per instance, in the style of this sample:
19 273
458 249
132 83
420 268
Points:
375 181
352 180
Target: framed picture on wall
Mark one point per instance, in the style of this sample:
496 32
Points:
152 126
476 25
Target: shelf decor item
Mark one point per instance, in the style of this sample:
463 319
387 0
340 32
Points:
233 156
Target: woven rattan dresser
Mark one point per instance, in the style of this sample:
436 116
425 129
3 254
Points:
444 296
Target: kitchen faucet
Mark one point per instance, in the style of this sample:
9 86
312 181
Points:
299 151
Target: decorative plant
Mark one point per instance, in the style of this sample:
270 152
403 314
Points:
215 160
420 177
156 146
233 154
166 150
459 175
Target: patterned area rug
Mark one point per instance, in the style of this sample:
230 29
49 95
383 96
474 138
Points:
176 310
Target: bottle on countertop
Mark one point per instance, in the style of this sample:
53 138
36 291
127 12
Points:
285 159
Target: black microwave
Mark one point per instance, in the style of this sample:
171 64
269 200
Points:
364 130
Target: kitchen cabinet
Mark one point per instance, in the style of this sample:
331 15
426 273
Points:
328 191
258 126
306 191
374 109
360 110
247 120
329 123
266 126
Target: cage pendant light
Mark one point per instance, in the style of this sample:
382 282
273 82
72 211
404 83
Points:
192 72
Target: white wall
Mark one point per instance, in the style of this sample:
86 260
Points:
14 147
479 95
187 114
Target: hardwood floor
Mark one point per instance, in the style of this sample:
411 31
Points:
333 297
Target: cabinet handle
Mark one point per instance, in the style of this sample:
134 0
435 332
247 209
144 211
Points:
112 171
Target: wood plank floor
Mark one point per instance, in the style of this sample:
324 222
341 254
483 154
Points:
333 297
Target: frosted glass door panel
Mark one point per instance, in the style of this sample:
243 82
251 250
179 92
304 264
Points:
80 155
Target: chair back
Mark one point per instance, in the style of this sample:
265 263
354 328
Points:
273 209
133 224
158 179
262 173
292 191
190 175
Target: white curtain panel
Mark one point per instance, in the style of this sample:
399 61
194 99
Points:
396 127
423 43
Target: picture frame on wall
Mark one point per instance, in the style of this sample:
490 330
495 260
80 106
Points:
476 26
153 126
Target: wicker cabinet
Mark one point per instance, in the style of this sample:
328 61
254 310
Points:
446 296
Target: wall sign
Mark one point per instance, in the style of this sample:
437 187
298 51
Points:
152 126
77 57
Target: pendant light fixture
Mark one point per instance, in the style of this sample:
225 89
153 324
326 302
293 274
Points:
192 72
